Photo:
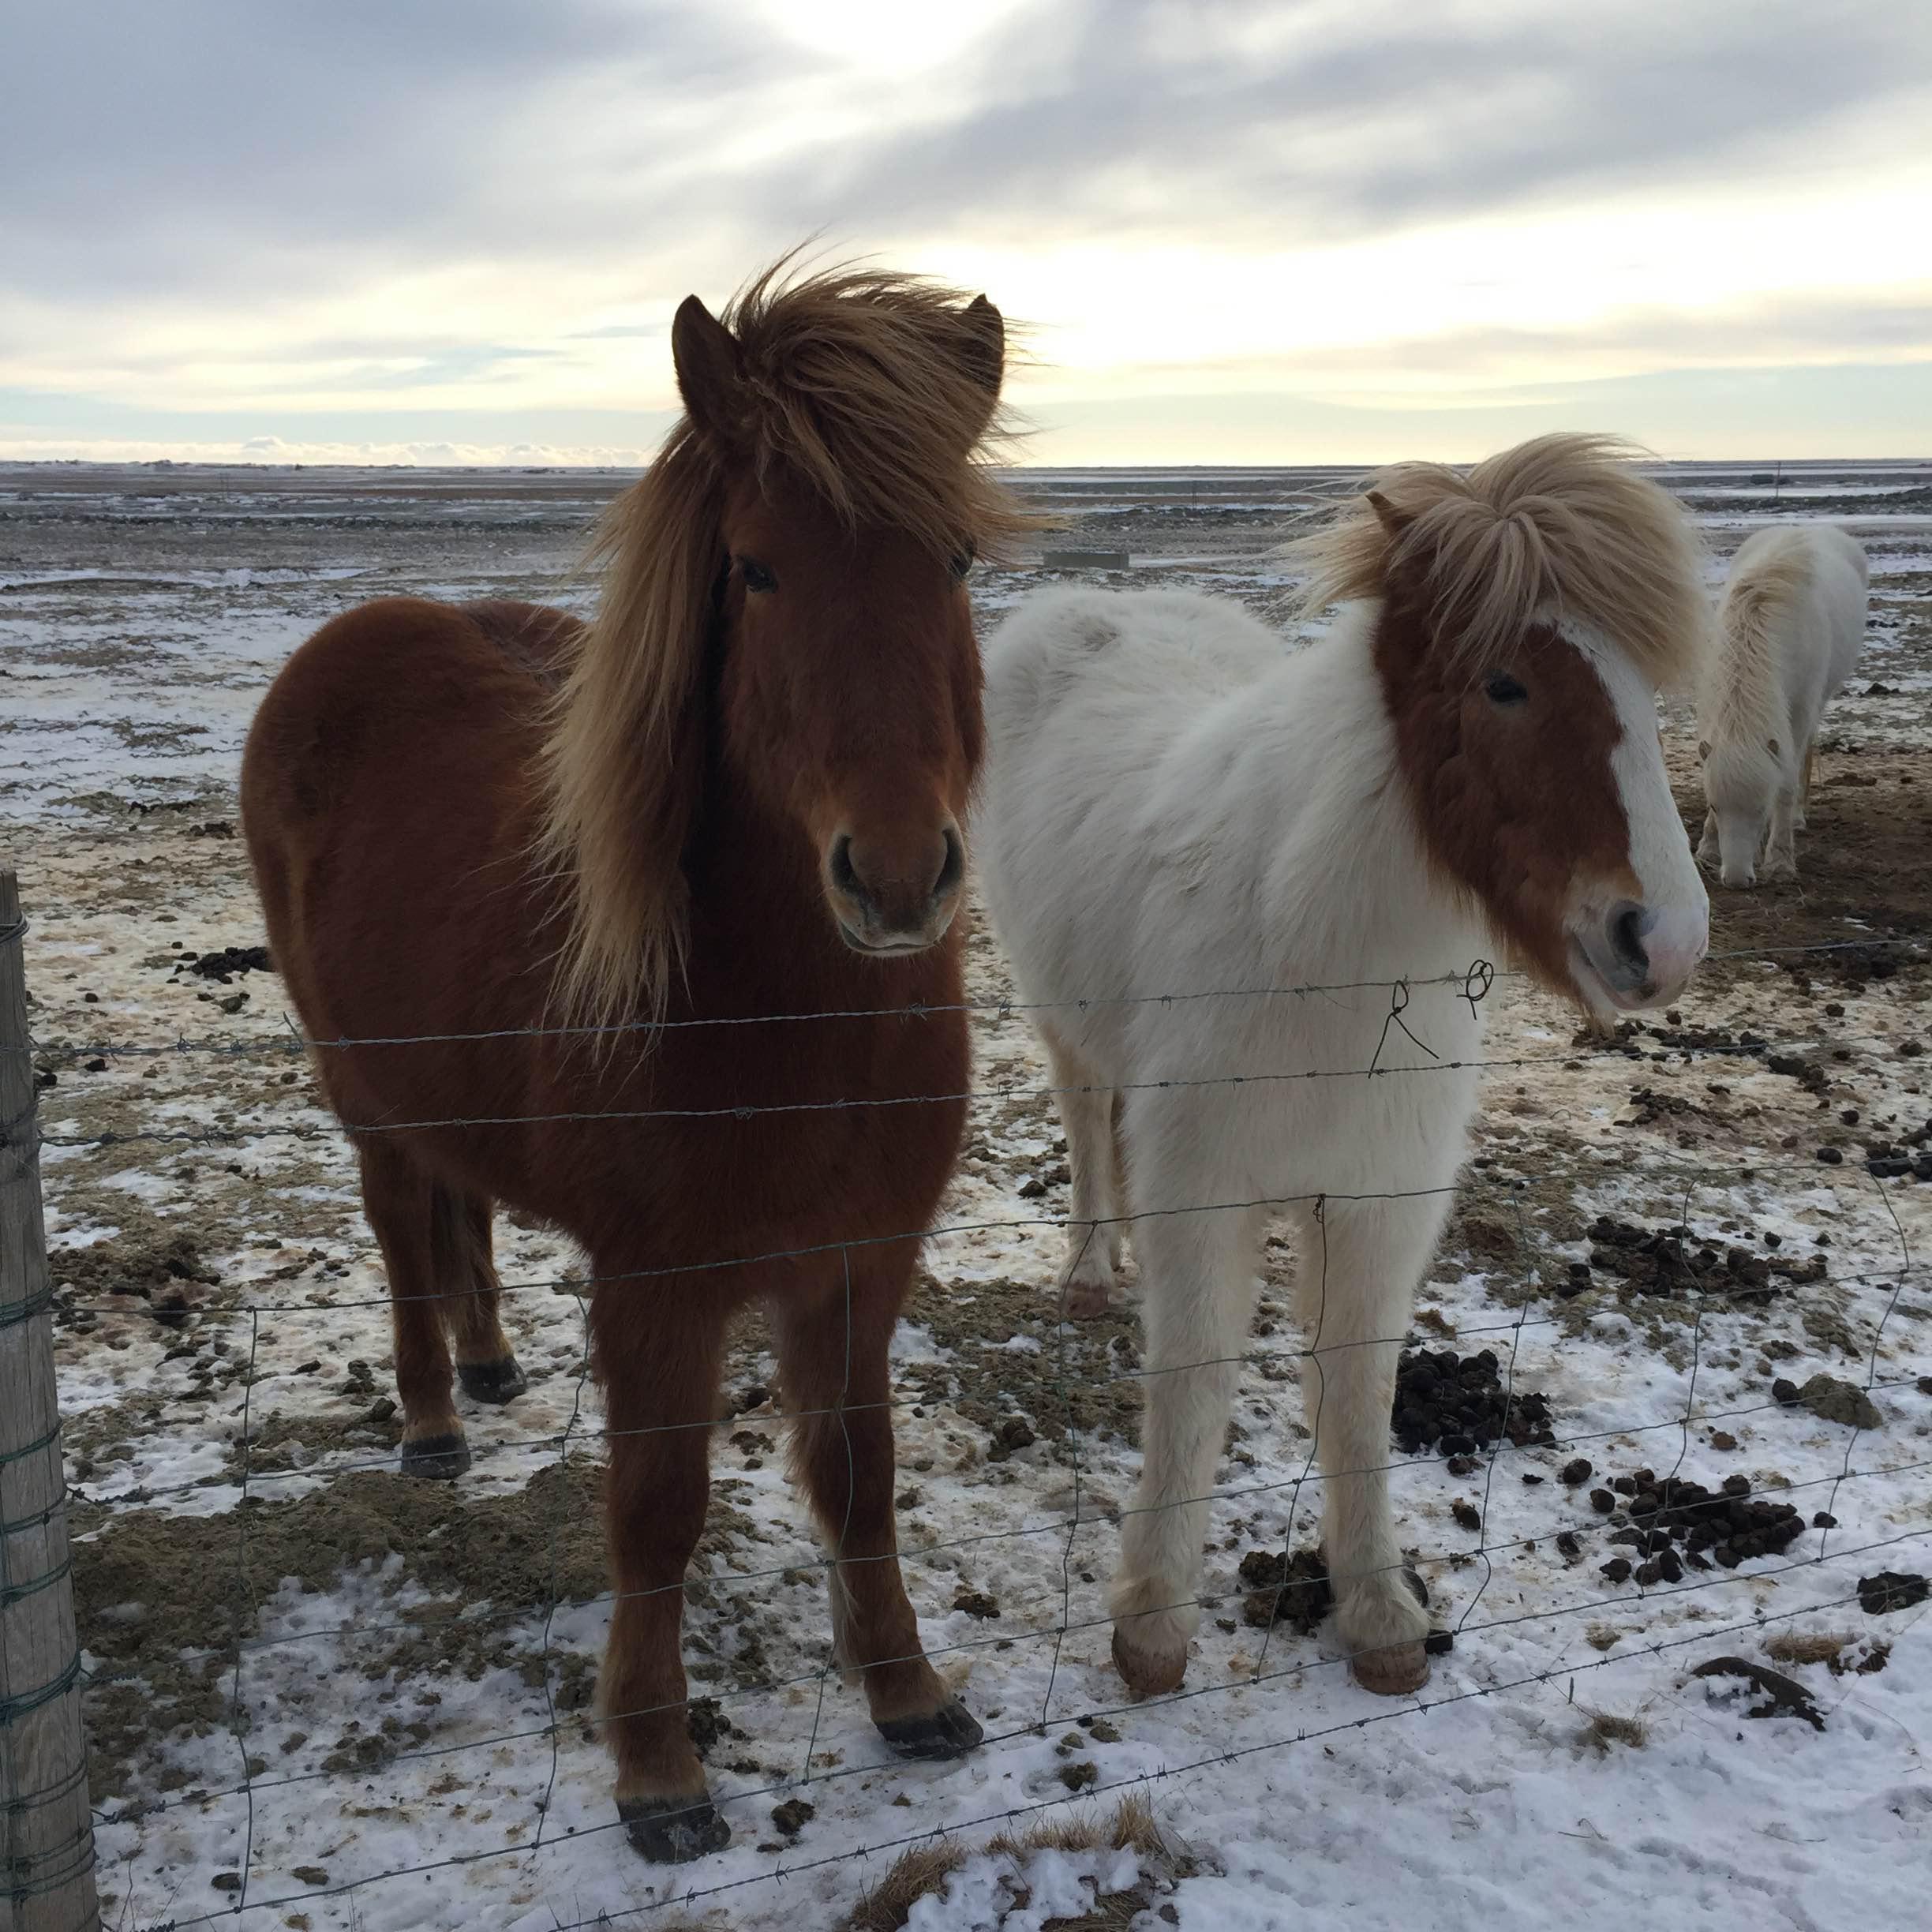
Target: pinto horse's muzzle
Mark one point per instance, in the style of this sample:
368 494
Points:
1640 956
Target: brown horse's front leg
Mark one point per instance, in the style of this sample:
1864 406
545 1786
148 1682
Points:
660 1360
831 1341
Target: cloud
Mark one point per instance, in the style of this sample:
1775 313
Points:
281 218
212 141
1150 119
1865 326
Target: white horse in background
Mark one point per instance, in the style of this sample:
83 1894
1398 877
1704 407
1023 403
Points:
1178 804
1789 629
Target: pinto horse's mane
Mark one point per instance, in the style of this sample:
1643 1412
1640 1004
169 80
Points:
870 391
1562 525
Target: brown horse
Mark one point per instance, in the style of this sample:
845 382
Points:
737 794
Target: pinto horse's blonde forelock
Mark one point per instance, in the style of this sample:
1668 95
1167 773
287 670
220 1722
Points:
1562 525
872 391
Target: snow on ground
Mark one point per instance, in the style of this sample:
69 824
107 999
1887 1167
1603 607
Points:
324 1697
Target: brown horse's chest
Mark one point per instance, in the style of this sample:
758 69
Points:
747 1139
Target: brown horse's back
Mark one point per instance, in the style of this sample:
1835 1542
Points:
386 801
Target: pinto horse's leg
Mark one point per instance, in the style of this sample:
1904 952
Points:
466 1265
831 1335
1356 1270
1805 773
659 1358
399 1198
1197 1299
1088 1285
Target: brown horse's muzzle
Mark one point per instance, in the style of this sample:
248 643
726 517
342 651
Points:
895 894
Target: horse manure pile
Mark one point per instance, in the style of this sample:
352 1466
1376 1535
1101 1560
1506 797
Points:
1859 965
223 966
158 1271
1286 1589
1911 1154
1893 1589
1722 1527
1295 1590
1457 1405
1672 1261
1636 1039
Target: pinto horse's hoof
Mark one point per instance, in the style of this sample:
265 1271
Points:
493 1381
441 1457
1149 1673
1393 1672
951 1731
673 1831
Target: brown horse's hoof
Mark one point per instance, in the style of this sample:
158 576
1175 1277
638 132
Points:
1148 1673
673 1831
493 1381
1393 1672
441 1458
951 1731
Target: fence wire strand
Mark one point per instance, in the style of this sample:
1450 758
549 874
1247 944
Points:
1049 1616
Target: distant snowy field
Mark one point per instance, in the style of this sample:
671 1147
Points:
402 1739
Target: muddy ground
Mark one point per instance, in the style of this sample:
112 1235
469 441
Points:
301 1663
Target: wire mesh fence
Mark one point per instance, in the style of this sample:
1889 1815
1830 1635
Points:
1037 1661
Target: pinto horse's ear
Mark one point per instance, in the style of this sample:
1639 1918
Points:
985 350
706 356
1391 519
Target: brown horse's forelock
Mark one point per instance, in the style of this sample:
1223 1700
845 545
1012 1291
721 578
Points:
868 389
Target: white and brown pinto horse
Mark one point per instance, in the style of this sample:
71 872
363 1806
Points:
1468 762
1789 629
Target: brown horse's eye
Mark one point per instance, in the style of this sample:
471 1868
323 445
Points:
962 562
1500 688
754 576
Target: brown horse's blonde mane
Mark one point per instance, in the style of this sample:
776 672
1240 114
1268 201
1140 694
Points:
1561 524
866 388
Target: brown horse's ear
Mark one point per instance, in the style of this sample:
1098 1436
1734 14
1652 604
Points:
1391 519
985 351
709 370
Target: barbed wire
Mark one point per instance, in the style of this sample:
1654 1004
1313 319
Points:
1057 1632
1696 1298
1481 973
1407 1707
570 1283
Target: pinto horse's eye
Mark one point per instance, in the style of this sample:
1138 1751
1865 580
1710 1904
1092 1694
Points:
962 562
1500 688
754 576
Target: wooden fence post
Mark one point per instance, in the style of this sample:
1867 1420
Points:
47 1839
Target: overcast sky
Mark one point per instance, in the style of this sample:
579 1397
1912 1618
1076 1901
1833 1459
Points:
1242 231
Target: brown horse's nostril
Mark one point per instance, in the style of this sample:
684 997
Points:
843 876
953 867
